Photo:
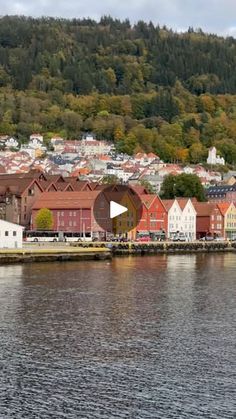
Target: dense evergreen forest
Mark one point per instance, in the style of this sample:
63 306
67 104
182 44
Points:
144 87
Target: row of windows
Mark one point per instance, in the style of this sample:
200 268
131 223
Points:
8 233
71 213
71 224
218 227
216 217
231 216
177 217
186 226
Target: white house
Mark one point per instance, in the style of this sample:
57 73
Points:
11 235
174 216
89 146
57 143
181 217
37 137
11 142
213 158
189 218
35 143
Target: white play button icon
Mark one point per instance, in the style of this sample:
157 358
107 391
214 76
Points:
116 209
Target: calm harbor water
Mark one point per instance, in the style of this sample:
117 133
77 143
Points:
150 337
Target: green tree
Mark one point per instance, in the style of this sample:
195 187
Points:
147 185
184 185
44 219
167 188
110 180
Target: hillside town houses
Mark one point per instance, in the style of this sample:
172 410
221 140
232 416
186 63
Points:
37 167
72 202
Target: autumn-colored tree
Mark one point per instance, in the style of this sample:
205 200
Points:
44 219
182 154
197 153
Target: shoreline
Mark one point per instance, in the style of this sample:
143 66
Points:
106 251
9 256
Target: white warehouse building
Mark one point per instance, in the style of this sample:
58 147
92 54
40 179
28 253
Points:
11 235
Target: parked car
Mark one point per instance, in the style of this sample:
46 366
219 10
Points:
179 237
207 238
123 239
142 239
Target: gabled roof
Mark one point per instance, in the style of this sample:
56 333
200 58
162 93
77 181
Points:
204 209
148 199
18 186
139 189
168 203
47 184
182 202
224 207
78 185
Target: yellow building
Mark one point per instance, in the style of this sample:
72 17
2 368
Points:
228 210
125 224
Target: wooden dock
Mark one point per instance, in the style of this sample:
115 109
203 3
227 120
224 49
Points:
53 254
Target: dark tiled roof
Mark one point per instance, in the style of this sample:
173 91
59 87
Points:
220 190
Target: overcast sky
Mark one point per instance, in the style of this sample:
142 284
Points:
218 16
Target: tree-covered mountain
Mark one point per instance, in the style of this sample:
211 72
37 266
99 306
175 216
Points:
111 56
143 87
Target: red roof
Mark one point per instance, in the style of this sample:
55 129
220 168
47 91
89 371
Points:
139 189
148 199
182 202
223 207
204 209
152 155
66 200
168 203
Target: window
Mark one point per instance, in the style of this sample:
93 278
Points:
14 233
6 233
31 192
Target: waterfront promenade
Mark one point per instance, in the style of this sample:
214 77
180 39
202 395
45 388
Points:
56 252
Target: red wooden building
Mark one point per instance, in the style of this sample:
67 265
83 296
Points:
72 211
154 215
209 220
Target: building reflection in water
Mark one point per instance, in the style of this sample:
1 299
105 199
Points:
87 336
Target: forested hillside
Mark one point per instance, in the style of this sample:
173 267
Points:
144 87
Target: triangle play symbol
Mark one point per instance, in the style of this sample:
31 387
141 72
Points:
116 209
